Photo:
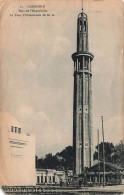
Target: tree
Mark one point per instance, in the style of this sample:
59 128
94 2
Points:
40 163
109 150
48 161
36 161
118 156
67 157
60 161
64 160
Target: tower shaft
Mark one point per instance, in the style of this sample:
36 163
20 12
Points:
82 102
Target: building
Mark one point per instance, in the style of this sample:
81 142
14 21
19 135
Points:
18 165
113 174
82 100
50 176
22 157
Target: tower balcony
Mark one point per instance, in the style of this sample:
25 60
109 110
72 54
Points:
78 55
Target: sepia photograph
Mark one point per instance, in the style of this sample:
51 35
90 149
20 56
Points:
61 97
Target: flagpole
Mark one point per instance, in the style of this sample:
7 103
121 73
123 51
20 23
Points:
98 156
103 154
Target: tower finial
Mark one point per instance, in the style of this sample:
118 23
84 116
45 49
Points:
82 5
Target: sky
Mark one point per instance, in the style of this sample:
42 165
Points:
37 69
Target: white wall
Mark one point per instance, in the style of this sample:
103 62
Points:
22 159
17 154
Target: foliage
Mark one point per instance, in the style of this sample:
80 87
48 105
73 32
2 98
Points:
67 156
113 154
64 160
118 157
108 149
60 161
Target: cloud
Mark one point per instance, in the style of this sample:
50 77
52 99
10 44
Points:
26 111
29 65
41 118
114 129
7 120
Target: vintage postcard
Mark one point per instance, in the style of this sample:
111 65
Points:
61 96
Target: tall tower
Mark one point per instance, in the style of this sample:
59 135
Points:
82 102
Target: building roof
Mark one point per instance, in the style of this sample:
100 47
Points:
109 167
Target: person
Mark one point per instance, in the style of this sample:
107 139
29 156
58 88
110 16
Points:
67 183
60 183
80 183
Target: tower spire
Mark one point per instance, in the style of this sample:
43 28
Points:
82 5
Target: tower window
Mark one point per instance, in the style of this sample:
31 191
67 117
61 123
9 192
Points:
86 65
80 25
85 25
81 65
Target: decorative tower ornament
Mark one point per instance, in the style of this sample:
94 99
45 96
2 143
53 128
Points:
82 100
